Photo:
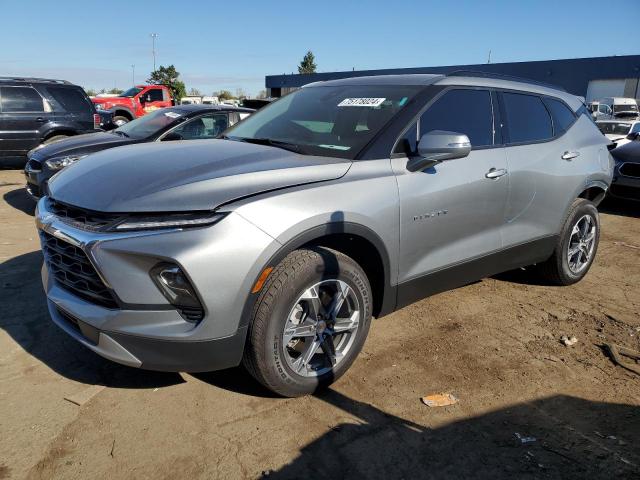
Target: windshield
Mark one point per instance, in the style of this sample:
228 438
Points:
132 92
331 121
151 123
625 108
614 128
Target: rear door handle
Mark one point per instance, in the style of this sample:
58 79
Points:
570 155
496 173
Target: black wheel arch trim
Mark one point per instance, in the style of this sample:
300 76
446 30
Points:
388 303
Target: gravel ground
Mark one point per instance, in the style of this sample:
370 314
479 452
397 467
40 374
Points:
493 344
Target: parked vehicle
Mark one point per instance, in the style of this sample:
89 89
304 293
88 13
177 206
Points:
190 100
135 102
211 100
255 103
626 176
38 110
343 200
106 119
619 131
615 108
193 122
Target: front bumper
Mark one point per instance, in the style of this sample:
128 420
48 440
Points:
624 186
145 330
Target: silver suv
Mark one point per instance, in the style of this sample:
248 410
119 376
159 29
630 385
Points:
275 245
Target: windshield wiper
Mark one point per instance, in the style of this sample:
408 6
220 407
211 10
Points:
292 147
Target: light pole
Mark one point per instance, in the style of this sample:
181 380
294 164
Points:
153 49
133 74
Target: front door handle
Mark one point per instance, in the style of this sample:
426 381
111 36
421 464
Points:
570 155
496 173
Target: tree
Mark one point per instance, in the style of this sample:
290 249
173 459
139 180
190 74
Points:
308 64
225 95
240 93
116 91
169 77
195 92
262 94
90 92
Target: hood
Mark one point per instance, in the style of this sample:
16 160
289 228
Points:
629 152
185 175
614 136
79 144
112 101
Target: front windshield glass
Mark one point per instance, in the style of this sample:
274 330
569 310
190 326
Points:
625 108
151 123
335 121
132 92
614 128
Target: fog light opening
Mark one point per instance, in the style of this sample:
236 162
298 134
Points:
176 288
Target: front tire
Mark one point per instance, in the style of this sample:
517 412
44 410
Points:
309 322
576 247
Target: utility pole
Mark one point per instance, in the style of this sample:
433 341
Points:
489 59
153 49
133 74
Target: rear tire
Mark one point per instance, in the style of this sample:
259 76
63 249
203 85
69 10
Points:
576 247
119 120
292 366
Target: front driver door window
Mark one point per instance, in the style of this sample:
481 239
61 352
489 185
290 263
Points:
451 212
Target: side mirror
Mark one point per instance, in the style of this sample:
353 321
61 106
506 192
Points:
172 136
437 146
633 136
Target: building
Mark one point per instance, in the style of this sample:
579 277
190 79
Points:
592 78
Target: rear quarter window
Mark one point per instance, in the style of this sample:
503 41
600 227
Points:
70 99
562 115
527 119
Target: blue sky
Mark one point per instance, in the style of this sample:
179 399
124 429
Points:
216 45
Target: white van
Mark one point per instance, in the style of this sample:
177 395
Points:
616 107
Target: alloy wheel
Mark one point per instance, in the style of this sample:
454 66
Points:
581 244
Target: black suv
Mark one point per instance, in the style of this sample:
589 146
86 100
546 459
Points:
38 110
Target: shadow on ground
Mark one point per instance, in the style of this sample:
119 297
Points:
574 438
20 200
26 319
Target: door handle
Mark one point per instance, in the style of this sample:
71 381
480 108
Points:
570 155
496 173
40 119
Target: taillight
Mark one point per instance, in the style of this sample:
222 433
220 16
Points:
96 121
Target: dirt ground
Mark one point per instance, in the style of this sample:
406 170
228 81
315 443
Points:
493 344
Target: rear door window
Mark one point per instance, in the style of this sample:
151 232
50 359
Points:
462 111
21 99
155 95
562 115
71 99
527 119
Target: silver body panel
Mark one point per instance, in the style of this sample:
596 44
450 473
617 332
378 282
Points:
424 222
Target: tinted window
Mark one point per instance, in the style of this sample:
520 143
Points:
207 126
155 94
21 99
149 124
71 99
562 116
526 117
636 128
462 111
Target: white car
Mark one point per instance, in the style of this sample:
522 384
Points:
619 131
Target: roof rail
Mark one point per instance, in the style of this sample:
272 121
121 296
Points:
34 79
500 76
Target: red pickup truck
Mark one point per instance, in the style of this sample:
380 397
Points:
135 102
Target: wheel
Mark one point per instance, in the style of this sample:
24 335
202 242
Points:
309 323
119 120
55 138
576 247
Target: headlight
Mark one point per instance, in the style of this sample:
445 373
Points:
178 220
61 162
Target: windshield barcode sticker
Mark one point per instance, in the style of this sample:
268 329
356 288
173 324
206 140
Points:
361 102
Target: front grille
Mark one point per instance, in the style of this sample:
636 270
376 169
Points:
630 170
90 333
81 217
71 268
631 193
